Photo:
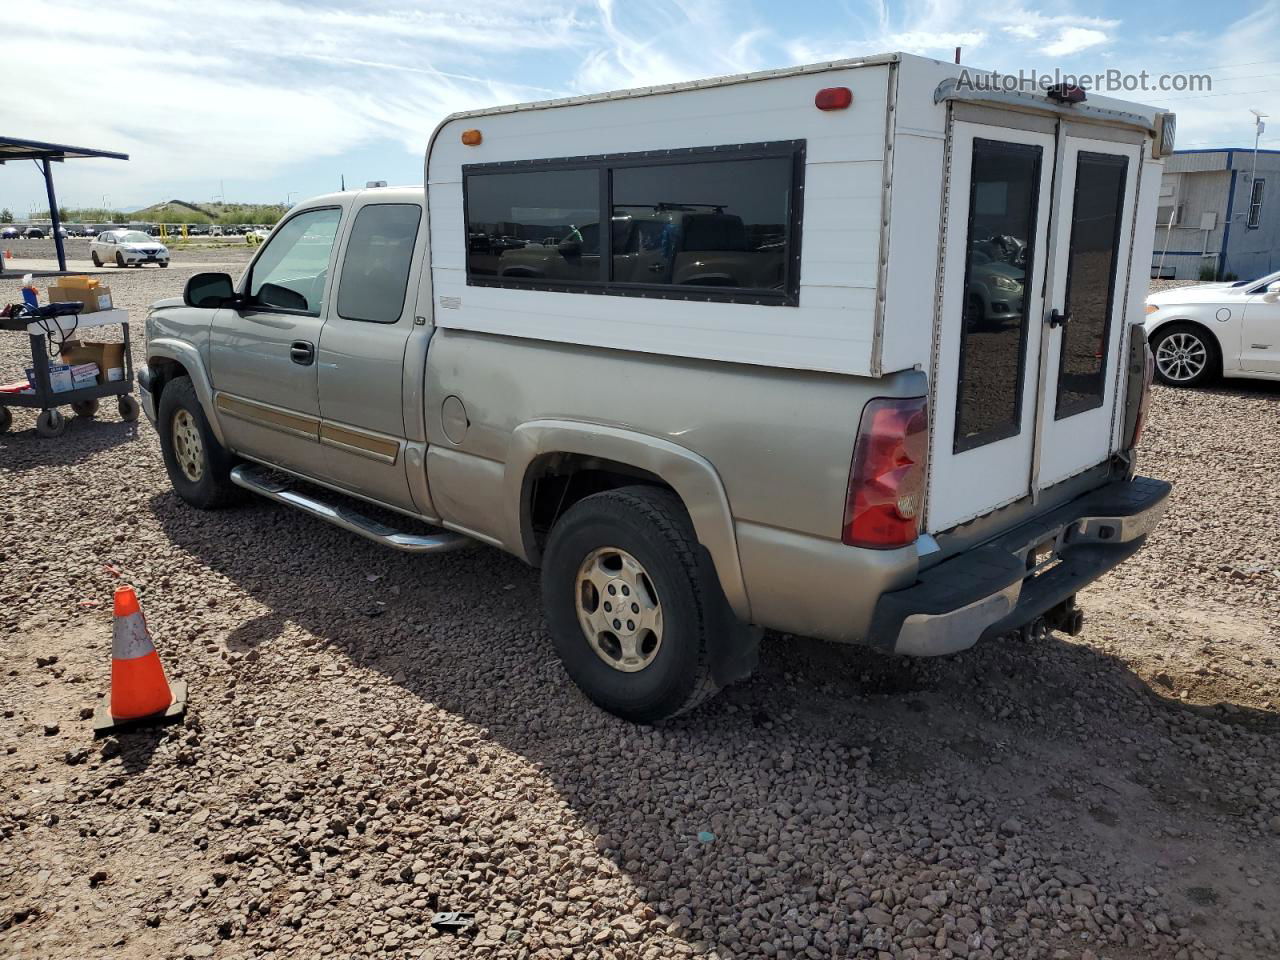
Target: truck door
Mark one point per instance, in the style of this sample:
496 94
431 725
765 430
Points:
365 383
262 357
1035 274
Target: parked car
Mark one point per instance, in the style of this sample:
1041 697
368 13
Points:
695 429
128 248
34 233
10 233
90 231
1209 330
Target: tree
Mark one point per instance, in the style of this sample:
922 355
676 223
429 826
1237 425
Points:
6 215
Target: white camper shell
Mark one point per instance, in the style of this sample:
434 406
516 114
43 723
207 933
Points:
927 225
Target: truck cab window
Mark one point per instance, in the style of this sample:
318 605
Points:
290 272
375 268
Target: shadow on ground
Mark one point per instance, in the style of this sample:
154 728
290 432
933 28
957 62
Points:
821 742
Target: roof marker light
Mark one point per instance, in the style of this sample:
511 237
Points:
471 138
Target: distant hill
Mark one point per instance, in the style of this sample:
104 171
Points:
177 211
183 211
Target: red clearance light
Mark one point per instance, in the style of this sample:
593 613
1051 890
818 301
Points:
887 478
1066 93
833 98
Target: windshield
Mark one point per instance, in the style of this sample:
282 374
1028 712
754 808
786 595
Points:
133 236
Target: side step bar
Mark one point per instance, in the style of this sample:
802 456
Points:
275 486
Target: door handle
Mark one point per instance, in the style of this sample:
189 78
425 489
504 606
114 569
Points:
302 352
1057 319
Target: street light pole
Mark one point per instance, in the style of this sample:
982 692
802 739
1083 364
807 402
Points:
1258 128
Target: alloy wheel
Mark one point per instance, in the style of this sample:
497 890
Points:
188 447
618 609
1181 356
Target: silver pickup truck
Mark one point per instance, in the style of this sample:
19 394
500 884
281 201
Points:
859 357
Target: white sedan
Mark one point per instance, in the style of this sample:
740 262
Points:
1208 330
128 248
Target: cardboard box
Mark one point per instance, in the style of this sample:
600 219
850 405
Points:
94 298
59 377
108 356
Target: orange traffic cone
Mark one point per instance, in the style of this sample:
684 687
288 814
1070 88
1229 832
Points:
140 694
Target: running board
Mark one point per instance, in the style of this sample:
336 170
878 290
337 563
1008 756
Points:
274 486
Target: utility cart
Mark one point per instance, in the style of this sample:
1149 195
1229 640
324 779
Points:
46 329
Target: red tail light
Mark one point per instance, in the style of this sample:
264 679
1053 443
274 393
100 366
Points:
887 478
1148 374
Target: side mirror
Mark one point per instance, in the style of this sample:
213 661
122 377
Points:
210 290
1274 287
274 295
570 247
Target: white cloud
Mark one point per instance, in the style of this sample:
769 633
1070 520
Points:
1073 40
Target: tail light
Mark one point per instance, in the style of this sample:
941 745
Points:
887 478
1148 375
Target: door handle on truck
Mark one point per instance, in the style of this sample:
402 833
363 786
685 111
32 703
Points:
1057 319
302 352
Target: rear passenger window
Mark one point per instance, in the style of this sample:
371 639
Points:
534 225
707 223
375 269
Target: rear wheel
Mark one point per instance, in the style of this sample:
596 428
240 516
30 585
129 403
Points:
199 467
1185 355
630 602
85 408
6 419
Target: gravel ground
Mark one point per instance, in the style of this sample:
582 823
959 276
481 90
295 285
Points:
372 737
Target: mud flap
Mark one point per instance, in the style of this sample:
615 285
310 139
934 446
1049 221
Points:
733 646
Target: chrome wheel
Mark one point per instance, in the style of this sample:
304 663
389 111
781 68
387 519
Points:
1181 357
619 610
188 448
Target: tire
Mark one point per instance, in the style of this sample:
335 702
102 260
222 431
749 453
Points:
128 407
120 260
164 264
6 419
199 467
1186 355
85 408
649 527
51 423
97 262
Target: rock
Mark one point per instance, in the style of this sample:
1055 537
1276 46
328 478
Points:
1012 827
51 729
97 878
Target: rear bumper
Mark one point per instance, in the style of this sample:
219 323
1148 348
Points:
992 589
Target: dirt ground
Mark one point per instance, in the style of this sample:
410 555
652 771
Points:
373 737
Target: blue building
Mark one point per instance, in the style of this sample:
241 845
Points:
1216 220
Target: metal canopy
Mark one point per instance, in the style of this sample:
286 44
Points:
45 155
12 148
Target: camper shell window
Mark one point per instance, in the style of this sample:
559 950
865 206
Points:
704 223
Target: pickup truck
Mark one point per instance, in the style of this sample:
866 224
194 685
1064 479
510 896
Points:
861 357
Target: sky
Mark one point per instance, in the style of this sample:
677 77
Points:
264 101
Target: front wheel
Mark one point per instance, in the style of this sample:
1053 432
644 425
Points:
1185 355
119 259
128 408
97 261
630 601
85 408
199 467
51 423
